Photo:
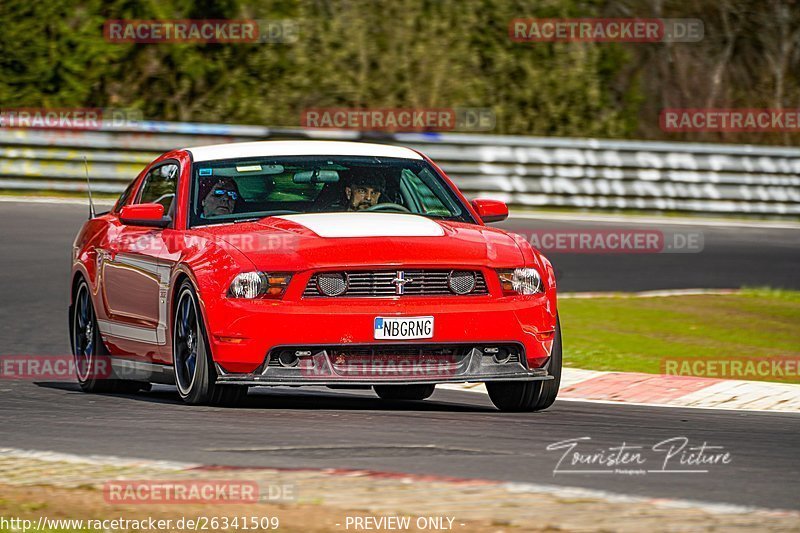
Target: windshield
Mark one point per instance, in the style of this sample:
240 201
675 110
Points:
233 190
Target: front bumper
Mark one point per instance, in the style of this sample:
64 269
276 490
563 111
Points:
243 333
334 366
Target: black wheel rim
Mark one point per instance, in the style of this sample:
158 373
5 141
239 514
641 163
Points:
83 335
187 342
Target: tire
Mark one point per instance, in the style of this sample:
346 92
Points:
404 392
530 395
92 361
195 376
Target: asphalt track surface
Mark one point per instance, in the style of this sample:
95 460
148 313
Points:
453 434
729 258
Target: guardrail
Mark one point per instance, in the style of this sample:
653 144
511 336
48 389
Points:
523 171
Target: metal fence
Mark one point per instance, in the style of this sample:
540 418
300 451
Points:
523 171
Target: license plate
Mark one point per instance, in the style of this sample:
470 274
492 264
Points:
416 327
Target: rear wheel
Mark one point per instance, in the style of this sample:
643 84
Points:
404 392
92 361
530 395
195 375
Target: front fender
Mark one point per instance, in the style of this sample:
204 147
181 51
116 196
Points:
210 266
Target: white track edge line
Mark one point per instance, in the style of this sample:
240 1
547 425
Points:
564 491
616 497
99 460
640 404
633 219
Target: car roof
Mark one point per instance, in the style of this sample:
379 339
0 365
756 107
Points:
299 148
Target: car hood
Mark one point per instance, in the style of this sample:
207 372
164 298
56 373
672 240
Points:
344 240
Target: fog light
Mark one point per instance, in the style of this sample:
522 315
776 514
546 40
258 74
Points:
461 282
331 283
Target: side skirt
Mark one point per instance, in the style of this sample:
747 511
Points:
141 371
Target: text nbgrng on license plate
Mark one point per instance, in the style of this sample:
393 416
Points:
416 327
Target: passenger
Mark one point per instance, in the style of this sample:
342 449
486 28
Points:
220 199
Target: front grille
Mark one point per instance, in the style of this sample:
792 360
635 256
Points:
384 283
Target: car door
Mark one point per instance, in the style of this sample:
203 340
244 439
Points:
135 281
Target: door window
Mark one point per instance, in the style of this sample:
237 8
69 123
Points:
159 187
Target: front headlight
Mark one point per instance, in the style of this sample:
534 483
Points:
520 281
251 285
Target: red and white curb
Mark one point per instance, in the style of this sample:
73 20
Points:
670 391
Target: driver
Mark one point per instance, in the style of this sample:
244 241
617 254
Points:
363 192
220 198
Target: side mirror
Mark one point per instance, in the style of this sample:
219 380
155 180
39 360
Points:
490 210
150 215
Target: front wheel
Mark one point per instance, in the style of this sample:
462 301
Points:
404 392
530 395
195 375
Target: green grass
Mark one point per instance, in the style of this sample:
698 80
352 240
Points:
637 334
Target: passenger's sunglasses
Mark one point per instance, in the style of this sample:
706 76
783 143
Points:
223 192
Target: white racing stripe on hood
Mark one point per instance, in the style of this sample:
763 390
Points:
367 225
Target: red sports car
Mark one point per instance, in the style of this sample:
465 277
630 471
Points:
310 263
